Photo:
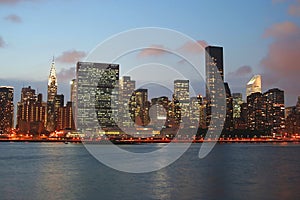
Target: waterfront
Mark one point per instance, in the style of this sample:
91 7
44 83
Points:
230 171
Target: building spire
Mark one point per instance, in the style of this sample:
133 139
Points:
52 76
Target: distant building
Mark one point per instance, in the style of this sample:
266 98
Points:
52 92
237 100
6 109
97 97
31 112
241 122
126 111
256 118
65 119
254 85
159 112
293 119
275 111
140 105
182 94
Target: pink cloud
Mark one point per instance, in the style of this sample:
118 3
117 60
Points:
294 10
71 56
153 50
281 65
284 29
193 47
13 18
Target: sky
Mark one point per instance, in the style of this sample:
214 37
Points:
258 37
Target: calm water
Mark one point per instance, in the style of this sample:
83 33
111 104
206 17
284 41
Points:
230 171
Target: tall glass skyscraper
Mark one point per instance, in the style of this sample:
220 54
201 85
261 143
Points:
215 89
96 106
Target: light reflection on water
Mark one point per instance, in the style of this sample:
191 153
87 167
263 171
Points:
231 171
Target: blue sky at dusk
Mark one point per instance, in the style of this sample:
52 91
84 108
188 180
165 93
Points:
258 36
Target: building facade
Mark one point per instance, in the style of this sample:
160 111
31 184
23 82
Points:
275 112
126 111
182 95
31 112
256 117
97 97
6 109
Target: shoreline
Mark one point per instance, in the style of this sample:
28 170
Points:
145 141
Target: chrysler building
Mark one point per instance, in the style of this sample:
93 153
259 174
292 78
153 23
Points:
52 92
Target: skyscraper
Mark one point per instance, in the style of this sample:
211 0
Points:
195 111
126 90
6 108
293 119
275 111
182 94
52 92
140 104
256 119
31 113
254 85
215 89
97 97
159 112
237 101
65 118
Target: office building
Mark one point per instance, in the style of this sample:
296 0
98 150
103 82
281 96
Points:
237 100
6 109
126 112
275 112
65 119
97 97
215 88
182 95
256 117
140 105
31 112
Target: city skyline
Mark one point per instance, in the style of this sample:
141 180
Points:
263 109
273 27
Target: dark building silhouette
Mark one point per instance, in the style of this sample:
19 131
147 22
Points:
6 109
256 118
218 94
293 119
275 112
